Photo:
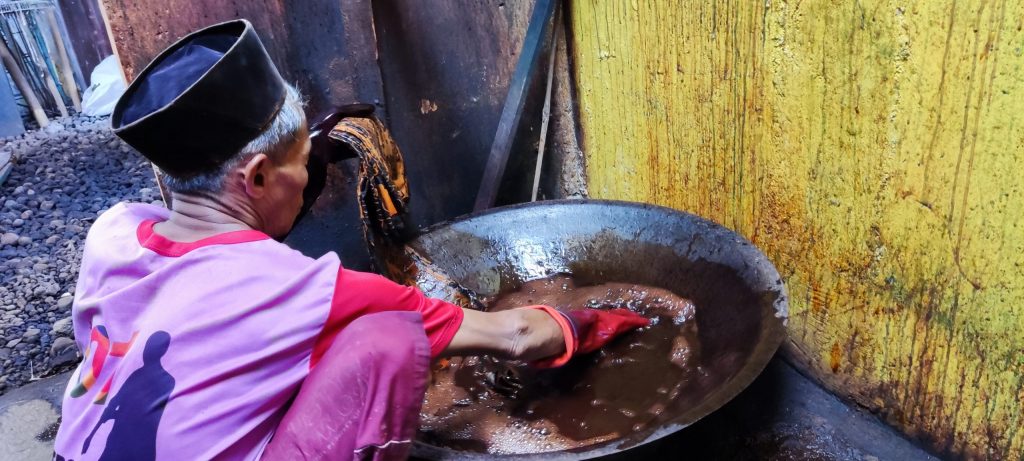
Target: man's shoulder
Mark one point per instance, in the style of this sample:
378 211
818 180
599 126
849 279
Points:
273 259
129 214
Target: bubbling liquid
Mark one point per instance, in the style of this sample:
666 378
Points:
500 407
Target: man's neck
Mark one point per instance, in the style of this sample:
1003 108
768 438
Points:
196 217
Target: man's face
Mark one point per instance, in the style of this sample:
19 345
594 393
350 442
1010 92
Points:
284 192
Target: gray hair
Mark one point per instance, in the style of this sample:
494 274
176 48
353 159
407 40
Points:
274 141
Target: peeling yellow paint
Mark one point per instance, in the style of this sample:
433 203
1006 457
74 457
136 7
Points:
871 148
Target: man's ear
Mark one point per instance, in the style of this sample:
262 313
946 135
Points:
254 175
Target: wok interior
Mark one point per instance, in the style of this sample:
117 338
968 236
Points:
739 299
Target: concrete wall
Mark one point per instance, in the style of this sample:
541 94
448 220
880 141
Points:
872 149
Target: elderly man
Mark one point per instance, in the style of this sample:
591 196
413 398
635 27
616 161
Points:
205 338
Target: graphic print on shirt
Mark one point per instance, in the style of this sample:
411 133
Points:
137 406
103 349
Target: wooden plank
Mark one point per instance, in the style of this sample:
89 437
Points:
872 149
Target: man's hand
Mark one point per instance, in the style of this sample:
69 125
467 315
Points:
587 330
541 335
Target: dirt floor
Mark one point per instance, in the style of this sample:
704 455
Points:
61 178
782 416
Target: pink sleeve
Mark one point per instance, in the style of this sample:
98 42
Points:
360 293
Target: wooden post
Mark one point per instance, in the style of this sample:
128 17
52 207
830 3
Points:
67 74
23 87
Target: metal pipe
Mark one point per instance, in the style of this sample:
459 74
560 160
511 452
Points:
23 5
39 62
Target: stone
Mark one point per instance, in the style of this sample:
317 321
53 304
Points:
31 335
18 222
54 128
9 238
62 179
13 342
64 351
63 327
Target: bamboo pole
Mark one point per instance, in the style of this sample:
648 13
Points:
23 87
34 54
165 193
546 112
68 77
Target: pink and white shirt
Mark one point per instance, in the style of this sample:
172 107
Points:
193 350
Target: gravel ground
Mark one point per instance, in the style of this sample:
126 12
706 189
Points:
63 177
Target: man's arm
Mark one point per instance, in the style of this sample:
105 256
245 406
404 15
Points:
538 334
533 333
519 334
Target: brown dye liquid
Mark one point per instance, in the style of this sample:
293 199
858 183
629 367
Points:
609 394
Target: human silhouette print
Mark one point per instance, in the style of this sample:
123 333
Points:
137 406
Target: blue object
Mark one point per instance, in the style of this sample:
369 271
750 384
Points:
10 116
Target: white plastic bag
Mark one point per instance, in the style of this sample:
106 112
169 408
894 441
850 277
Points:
107 85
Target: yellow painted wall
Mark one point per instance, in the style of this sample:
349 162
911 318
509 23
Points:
873 149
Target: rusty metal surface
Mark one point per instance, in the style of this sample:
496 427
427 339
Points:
741 303
446 68
326 47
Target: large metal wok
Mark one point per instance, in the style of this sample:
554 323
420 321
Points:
741 302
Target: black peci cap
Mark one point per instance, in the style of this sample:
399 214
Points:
201 100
